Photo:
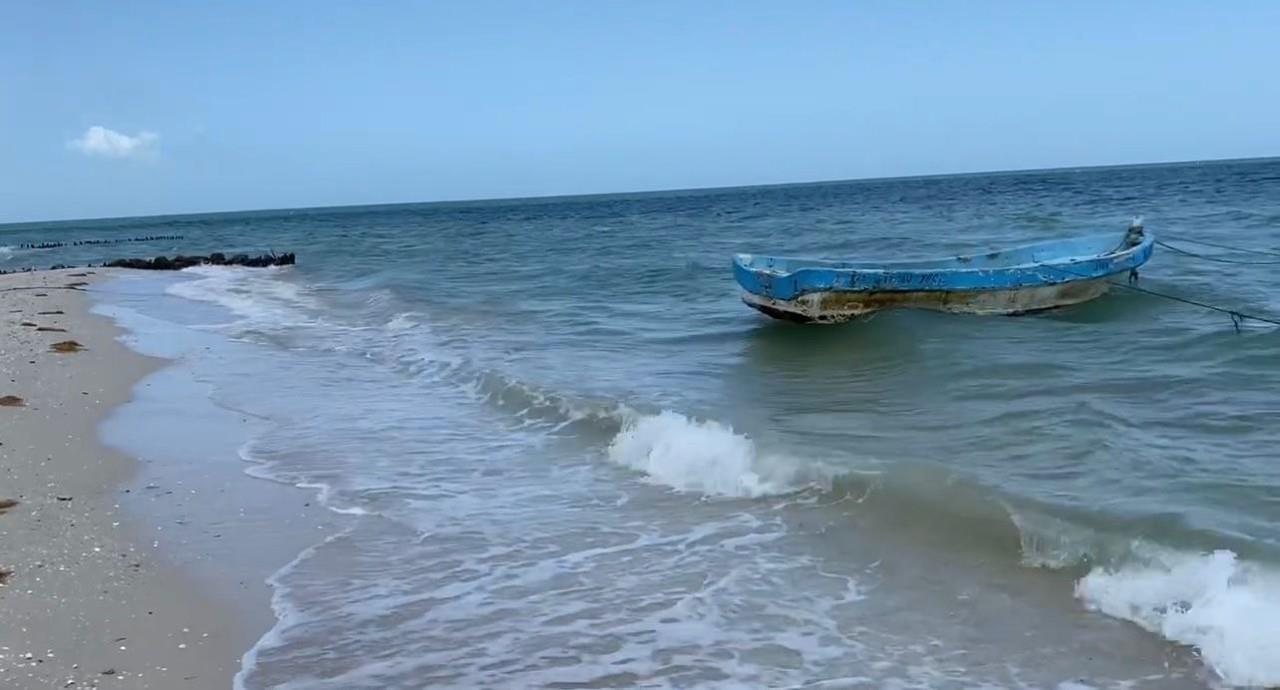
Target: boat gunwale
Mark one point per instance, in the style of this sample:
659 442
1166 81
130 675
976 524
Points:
949 264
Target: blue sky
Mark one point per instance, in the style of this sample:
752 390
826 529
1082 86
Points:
138 108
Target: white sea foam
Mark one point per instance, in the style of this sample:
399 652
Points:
285 611
702 456
1226 609
402 322
325 493
253 293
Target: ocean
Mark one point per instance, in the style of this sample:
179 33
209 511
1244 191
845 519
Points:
563 454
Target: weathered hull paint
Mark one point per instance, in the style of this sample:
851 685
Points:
840 306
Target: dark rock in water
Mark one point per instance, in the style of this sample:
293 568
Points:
271 260
177 263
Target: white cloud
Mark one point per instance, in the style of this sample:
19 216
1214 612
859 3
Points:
100 141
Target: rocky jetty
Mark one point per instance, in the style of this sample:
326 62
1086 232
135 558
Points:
177 263
82 243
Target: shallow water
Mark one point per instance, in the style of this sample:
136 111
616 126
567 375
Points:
577 460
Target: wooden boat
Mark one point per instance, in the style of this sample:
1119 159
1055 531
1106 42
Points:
1018 280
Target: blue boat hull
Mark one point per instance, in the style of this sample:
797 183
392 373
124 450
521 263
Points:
1015 281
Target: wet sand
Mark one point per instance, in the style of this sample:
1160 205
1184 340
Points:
87 599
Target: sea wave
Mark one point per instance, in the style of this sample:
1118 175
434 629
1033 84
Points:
1213 599
704 456
670 448
282 606
256 295
1227 609
1224 605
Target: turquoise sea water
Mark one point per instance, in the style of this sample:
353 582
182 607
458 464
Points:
577 460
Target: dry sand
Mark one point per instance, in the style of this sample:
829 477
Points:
85 601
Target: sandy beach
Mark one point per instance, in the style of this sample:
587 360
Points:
86 600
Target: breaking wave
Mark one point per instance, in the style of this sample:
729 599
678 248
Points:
1227 609
703 456
1223 605
254 294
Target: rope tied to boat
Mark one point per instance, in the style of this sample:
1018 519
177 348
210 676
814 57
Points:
1218 245
1237 317
1217 259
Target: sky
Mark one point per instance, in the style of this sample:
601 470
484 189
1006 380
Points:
140 108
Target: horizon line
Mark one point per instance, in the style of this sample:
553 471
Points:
643 192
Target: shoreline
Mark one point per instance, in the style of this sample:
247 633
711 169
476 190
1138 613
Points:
100 592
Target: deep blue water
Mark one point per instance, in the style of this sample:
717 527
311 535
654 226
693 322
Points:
578 458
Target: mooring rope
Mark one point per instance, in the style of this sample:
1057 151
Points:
1237 317
1172 248
1216 245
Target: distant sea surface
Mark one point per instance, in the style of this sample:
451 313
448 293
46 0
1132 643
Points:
574 459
